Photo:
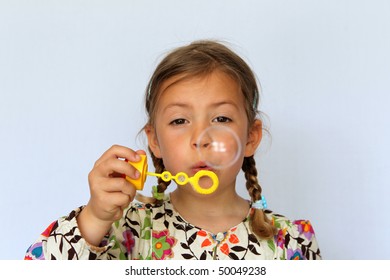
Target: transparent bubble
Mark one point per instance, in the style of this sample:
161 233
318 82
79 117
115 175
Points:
219 147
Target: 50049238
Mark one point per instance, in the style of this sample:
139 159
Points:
242 270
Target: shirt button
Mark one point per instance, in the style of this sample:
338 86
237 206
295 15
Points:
220 236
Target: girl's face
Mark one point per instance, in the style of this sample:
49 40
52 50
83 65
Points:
186 108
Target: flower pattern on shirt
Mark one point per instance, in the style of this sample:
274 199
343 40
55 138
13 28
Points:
294 254
305 228
128 240
162 245
159 232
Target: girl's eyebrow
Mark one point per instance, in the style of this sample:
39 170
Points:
176 104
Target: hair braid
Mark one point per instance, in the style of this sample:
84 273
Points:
160 168
259 222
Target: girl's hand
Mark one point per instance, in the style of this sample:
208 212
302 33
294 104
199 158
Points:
111 193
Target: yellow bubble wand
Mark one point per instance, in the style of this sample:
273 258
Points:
180 178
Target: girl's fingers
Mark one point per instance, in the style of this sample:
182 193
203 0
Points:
121 185
114 167
117 151
110 191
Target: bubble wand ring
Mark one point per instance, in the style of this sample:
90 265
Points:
180 178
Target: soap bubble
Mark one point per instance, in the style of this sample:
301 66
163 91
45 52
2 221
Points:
219 146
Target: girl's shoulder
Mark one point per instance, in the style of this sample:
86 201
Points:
296 238
295 227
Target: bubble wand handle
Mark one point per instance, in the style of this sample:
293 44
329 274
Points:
180 178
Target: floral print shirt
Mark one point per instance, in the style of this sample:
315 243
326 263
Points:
159 232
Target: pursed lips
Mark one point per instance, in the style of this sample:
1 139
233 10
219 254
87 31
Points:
201 165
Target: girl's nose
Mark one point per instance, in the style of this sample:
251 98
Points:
202 143
200 138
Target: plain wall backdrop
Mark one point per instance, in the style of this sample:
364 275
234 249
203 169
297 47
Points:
72 79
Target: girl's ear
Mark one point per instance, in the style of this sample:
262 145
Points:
153 141
254 138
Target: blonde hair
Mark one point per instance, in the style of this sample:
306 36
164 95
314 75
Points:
201 58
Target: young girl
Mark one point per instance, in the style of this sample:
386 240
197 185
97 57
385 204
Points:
194 87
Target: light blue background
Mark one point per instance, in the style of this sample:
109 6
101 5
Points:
73 73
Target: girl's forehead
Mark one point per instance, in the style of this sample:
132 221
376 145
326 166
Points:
214 81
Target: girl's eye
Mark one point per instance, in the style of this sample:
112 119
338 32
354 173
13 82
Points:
222 119
178 122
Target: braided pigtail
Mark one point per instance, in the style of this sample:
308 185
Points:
259 222
158 194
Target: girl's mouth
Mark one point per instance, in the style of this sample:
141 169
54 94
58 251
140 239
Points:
201 166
